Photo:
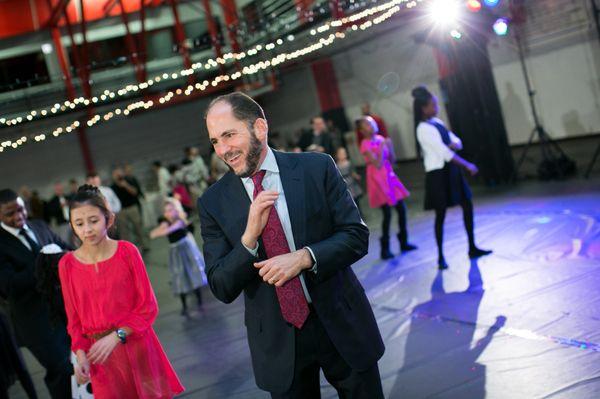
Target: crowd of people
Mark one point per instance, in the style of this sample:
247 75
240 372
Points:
79 314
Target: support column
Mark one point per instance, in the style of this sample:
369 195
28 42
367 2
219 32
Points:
231 23
328 92
131 46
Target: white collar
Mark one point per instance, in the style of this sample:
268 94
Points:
269 164
13 231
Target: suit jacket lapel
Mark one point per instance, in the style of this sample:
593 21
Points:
14 242
292 180
237 214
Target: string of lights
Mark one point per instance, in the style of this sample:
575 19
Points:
349 24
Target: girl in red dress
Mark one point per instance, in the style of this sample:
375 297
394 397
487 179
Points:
384 189
110 308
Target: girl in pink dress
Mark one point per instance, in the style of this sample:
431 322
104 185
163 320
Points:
384 189
110 308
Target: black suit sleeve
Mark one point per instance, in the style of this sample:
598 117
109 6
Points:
350 239
13 281
229 269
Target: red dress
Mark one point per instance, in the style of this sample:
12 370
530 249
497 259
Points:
117 293
383 186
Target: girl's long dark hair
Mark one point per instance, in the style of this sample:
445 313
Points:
421 97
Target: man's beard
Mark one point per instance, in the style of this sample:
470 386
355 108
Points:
253 157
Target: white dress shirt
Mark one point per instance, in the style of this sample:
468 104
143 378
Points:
114 203
272 182
435 152
15 232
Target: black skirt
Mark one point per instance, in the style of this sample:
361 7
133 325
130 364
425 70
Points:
445 187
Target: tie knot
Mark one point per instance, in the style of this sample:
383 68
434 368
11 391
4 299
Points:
258 177
23 232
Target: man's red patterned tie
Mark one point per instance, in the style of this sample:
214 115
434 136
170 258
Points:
292 301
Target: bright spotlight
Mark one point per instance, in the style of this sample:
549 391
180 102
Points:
444 12
501 26
491 3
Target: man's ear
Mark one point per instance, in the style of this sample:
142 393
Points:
261 128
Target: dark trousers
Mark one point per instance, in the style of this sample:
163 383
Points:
51 349
315 351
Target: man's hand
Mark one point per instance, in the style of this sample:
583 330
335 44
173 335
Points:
280 269
258 217
102 348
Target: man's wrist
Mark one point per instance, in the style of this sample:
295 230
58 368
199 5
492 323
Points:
249 242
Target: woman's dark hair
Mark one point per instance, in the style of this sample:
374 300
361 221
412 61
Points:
421 97
90 195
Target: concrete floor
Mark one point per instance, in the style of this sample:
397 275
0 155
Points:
521 323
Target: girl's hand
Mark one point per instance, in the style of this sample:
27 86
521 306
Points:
102 348
82 368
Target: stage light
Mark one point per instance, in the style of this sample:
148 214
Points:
444 12
501 26
473 5
491 3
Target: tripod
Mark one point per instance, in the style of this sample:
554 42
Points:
596 10
555 162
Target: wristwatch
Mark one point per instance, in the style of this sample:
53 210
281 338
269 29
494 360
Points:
122 334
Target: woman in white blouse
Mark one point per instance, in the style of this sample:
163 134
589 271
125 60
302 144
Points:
445 185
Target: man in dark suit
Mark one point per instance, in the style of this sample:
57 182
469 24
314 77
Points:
318 139
283 229
20 243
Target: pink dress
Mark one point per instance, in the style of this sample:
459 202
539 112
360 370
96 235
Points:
117 293
383 186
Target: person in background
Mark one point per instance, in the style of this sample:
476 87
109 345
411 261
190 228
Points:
57 213
366 111
130 176
20 243
114 204
349 174
318 139
72 188
163 178
38 206
445 185
13 365
179 188
130 218
218 168
185 261
384 188
195 171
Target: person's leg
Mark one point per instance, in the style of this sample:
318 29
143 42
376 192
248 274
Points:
405 246
474 252
440 216
52 351
305 383
385 232
183 303
349 383
138 228
198 293
124 224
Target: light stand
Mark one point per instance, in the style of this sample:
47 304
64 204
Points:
596 10
555 163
